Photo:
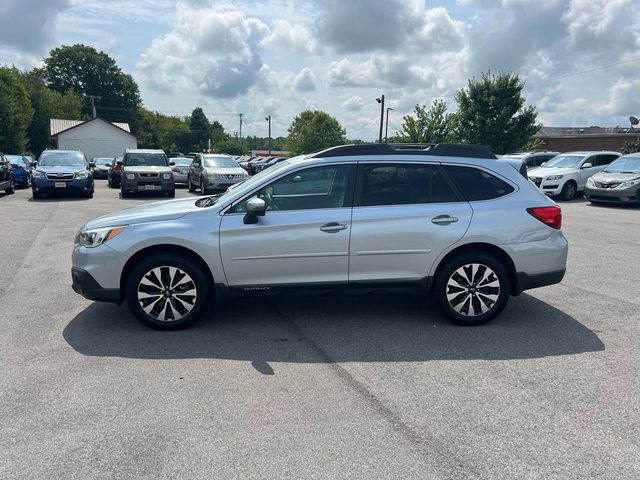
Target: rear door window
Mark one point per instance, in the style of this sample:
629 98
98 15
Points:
403 184
476 184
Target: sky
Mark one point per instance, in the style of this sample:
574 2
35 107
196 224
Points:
579 58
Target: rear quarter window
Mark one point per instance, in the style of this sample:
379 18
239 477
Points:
476 184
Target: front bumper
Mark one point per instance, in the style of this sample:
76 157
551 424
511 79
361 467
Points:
87 286
629 195
152 184
548 187
97 173
180 177
43 185
218 183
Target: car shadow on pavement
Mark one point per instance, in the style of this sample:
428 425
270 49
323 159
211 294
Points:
334 329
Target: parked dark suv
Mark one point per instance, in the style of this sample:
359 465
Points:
64 171
6 175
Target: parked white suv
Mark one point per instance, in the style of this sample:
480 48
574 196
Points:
566 174
450 219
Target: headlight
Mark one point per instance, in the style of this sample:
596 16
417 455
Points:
590 182
167 176
555 177
37 174
629 183
83 174
131 176
97 236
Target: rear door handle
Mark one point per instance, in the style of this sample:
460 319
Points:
444 220
333 227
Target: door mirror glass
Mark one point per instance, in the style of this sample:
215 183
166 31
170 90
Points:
92 164
587 165
34 164
172 164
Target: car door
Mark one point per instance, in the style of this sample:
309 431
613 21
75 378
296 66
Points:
585 173
404 216
196 170
302 240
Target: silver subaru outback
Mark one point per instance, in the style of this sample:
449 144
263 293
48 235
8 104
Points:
452 220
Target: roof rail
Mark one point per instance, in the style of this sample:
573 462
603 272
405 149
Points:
439 149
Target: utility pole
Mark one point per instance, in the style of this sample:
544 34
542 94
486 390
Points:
386 128
93 105
268 119
240 115
381 102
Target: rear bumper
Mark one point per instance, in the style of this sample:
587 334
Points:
527 281
87 286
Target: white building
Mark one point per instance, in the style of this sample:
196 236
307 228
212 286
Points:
95 138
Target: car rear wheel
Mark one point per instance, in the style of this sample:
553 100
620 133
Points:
167 292
569 191
192 188
472 289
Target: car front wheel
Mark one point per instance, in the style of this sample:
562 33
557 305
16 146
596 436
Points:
167 292
11 188
472 289
569 191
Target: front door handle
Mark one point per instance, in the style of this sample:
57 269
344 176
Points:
444 220
333 227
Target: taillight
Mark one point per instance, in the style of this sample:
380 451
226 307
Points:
551 216
19 167
117 168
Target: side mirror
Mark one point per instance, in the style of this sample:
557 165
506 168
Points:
543 164
256 207
34 164
587 165
120 163
297 179
92 164
172 164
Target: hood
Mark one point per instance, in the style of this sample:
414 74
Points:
61 168
606 177
226 170
545 172
150 212
147 169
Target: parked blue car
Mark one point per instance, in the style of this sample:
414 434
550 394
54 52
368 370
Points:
21 170
62 171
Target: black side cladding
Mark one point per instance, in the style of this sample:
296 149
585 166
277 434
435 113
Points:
441 150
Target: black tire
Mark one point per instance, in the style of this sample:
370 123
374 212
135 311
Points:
198 283
472 297
11 189
190 185
124 194
171 194
569 191
89 194
203 189
36 195
109 184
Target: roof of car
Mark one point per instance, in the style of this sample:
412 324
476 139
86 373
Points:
430 149
590 152
143 150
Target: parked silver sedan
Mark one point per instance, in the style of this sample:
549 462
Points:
181 169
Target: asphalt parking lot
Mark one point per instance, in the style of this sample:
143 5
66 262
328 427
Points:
318 387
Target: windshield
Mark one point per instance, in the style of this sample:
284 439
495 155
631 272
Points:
182 162
624 165
102 161
564 161
145 160
62 159
15 159
244 187
219 162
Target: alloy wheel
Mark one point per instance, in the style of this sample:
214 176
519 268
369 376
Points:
167 293
473 289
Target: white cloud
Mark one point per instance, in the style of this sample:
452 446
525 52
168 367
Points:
305 80
294 38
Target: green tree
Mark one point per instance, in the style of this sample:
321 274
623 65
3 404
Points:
89 72
427 126
630 147
200 130
313 130
15 112
492 111
47 104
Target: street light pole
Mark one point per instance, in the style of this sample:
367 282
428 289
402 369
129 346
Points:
381 102
268 119
240 115
386 128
